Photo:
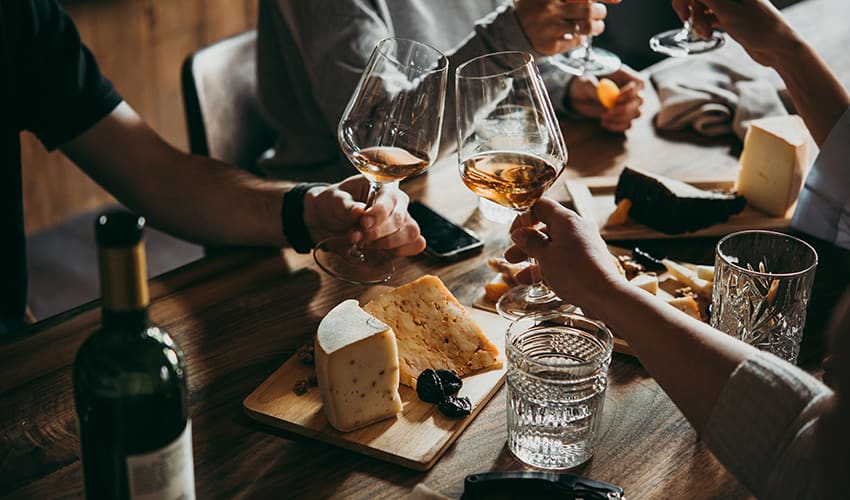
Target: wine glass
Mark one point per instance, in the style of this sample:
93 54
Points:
587 59
510 149
686 40
389 130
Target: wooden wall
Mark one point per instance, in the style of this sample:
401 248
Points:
140 45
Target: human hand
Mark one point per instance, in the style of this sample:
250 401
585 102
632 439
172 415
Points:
583 99
756 24
574 260
341 209
555 26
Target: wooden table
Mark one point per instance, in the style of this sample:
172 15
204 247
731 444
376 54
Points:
239 316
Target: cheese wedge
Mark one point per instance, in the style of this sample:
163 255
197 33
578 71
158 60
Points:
356 368
433 330
706 272
773 163
648 282
687 305
701 286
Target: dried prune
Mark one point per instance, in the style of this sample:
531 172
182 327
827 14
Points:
455 407
451 382
429 387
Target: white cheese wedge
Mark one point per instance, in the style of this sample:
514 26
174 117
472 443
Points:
356 368
648 282
433 330
706 272
773 163
689 277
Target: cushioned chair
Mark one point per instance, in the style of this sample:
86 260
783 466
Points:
220 98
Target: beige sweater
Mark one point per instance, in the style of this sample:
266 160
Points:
762 427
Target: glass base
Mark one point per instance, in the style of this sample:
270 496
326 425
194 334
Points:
682 42
355 265
600 62
518 302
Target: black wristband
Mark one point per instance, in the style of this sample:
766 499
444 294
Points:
292 217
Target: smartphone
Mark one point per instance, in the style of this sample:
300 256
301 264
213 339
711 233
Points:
445 239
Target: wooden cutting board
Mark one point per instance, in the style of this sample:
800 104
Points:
416 439
593 198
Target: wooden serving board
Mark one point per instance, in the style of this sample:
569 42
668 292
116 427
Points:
666 288
416 439
593 198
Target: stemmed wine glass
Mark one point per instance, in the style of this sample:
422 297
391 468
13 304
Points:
587 59
686 40
510 149
390 130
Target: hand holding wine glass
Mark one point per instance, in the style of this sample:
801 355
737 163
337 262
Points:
687 40
510 148
390 130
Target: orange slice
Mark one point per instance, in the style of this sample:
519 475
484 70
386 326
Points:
607 92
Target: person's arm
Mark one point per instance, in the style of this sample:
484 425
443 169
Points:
690 360
765 34
207 201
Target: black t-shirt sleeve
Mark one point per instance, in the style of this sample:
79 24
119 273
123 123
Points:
64 93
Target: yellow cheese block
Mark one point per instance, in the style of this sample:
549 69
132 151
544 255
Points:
433 330
689 277
356 368
773 163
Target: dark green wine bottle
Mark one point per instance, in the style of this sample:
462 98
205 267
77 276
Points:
130 382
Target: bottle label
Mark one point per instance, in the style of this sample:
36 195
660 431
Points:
166 473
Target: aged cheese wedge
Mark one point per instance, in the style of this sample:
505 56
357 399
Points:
648 282
356 368
433 330
773 163
687 305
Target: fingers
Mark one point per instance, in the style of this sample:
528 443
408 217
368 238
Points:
515 254
620 117
682 8
702 19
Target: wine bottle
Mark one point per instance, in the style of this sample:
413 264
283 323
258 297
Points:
130 382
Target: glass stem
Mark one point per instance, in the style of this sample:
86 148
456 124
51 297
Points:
355 253
588 49
537 291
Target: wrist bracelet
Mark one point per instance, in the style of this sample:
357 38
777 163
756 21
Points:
292 217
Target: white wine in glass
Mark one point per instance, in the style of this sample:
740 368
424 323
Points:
685 41
510 149
389 131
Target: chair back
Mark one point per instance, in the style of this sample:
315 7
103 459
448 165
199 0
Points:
223 116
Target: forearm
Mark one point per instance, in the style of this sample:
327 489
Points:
690 360
818 95
208 202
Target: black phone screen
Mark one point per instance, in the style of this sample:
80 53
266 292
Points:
443 237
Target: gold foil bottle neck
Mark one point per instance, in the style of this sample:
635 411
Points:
123 277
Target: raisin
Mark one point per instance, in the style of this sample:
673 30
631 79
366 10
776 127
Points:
301 387
429 387
451 382
455 407
305 353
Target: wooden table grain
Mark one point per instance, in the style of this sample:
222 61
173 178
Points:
240 315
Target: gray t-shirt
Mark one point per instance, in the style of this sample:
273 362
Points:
312 53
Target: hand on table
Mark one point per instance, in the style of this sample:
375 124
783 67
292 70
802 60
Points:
756 24
555 26
340 209
583 99
573 258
